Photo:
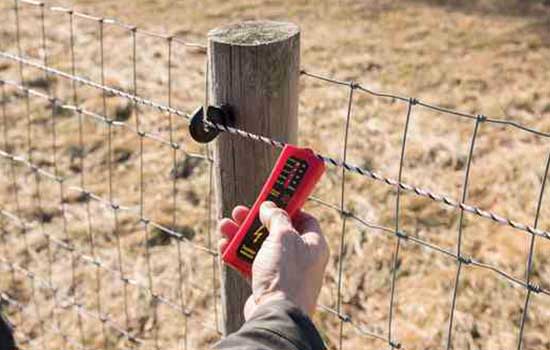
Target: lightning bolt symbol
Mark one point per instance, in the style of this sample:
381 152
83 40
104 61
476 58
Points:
258 234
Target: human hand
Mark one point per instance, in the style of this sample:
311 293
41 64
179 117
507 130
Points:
291 262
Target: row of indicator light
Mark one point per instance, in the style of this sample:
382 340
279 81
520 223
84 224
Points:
294 170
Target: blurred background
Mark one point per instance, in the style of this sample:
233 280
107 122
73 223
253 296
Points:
487 57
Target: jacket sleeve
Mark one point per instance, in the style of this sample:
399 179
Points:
6 337
275 326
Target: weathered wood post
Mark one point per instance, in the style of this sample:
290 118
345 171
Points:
255 68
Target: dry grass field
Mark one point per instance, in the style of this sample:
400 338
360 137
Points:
476 56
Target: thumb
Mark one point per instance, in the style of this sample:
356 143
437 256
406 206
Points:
275 219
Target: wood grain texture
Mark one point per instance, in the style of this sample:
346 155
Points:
255 68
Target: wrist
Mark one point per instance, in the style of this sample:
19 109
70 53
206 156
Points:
269 297
257 300
304 305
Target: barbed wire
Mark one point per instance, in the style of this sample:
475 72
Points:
111 203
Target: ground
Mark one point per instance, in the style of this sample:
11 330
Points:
485 57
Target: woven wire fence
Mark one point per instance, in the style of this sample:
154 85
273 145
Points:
107 230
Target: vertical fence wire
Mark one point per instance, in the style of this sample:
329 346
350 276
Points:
37 183
210 216
395 260
342 250
53 105
111 203
153 312
81 153
109 159
209 227
45 288
14 188
181 290
530 258
460 258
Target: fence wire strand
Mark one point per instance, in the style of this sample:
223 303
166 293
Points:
344 219
459 235
444 199
395 261
530 257
45 293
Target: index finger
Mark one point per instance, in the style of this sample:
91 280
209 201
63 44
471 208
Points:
310 231
304 222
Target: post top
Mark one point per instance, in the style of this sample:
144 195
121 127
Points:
252 33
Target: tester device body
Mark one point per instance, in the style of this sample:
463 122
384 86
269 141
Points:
290 183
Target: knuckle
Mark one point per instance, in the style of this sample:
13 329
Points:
282 235
283 232
277 212
278 216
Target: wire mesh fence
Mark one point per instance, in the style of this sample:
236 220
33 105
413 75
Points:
107 229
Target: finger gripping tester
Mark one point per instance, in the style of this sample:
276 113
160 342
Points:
290 183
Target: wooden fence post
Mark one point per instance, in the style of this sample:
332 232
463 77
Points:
255 68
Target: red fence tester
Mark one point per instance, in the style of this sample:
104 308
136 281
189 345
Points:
289 185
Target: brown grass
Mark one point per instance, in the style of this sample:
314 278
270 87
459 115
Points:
487 57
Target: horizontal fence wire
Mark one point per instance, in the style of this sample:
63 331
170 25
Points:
94 261
75 107
109 325
444 199
24 339
112 21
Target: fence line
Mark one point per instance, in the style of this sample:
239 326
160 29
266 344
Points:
459 235
42 281
344 318
433 107
94 261
112 21
329 160
461 259
111 203
54 328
